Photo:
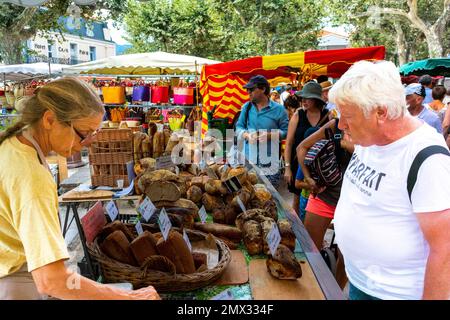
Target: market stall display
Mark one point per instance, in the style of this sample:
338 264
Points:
221 85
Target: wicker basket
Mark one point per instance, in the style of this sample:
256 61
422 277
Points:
114 271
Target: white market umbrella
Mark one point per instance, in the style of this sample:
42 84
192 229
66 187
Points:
19 72
152 63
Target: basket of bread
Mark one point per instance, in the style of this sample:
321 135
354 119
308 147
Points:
168 265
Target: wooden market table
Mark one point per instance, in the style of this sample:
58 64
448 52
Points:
316 283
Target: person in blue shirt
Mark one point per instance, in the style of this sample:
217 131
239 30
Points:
427 81
415 93
262 125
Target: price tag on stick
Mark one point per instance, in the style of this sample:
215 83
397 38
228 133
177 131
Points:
112 210
203 215
241 204
139 229
186 239
146 209
273 239
164 223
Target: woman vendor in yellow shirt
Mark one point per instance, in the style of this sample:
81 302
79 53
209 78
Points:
62 116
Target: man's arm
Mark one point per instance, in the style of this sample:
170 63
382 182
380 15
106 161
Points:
435 226
240 125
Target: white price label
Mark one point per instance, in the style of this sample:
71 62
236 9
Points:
241 204
273 239
139 229
186 239
164 223
203 215
112 210
146 209
224 295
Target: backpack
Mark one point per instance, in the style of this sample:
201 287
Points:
322 159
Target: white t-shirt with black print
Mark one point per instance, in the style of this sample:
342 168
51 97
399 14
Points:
376 227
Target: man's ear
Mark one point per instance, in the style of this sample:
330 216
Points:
49 120
382 114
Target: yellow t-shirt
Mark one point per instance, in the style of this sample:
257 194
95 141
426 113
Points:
29 225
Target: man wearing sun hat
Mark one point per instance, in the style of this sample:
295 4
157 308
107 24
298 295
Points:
415 94
326 86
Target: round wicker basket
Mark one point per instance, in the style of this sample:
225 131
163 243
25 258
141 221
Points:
114 271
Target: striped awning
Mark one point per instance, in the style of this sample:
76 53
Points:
222 84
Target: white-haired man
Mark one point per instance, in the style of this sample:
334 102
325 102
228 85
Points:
393 216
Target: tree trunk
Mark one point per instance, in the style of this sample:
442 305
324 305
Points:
11 45
434 44
401 43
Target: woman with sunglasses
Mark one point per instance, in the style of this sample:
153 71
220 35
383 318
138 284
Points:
62 116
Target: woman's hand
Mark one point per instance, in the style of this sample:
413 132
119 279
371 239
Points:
288 175
313 187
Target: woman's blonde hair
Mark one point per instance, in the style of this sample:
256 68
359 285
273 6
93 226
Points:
69 98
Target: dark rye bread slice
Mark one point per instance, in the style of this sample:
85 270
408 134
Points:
177 251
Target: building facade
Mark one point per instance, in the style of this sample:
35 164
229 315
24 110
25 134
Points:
89 42
330 40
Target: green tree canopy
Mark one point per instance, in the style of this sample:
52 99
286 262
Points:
223 29
410 29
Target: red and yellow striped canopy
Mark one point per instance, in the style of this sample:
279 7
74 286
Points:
222 84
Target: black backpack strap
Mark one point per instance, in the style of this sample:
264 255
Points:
418 160
247 111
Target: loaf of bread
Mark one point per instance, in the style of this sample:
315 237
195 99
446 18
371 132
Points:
162 191
262 193
287 235
266 227
150 177
284 265
177 251
200 182
240 173
146 145
138 138
258 215
215 187
143 247
117 247
173 141
115 226
194 194
253 177
180 203
253 237
230 215
218 215
210 202
271 209
166 133
158 144
200 259
220 230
